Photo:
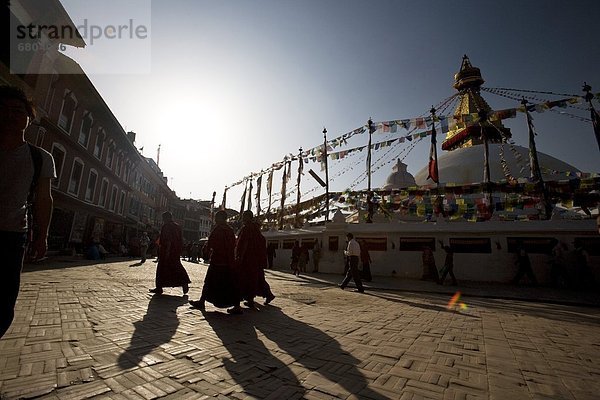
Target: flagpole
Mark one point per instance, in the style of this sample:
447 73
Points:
326 175
535 173
224 201
434 148
486 158
212 209
595 117
300 168
369 194
243 202
250 197
270 191
371 128
283 184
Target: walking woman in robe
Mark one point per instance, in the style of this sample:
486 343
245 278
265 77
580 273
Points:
220 284
169 270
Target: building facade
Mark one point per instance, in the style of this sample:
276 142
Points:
105 189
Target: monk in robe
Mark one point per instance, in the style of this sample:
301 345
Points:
220 284
169 270
251 259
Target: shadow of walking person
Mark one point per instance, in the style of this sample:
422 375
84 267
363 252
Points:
334 371
156 328
252 365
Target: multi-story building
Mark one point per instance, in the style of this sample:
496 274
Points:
105 189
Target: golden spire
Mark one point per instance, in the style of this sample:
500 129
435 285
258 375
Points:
468 82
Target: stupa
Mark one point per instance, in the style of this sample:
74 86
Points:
464 161
399 178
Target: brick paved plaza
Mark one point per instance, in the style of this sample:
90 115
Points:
93 331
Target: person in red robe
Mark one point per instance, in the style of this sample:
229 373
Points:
251 259
220 284
170 271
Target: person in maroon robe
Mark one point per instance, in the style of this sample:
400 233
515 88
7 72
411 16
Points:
170 271
220 284
251 259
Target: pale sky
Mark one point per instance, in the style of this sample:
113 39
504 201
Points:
234 86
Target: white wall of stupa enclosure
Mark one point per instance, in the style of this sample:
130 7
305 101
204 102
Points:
484 250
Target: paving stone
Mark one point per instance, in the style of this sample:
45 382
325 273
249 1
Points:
93 331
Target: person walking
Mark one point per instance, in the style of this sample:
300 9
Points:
448 267
303 258
584 277
353 254
558 264
169 270
251 259
295 258
430 272
25 175
144 242
365 259
523 266
316 255
220 284
271 254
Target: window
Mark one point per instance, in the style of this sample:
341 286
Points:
109 156
86 129
113 199
103 192
75 180
119 165
99 143
127 171
58 152
67 111
121 202
90 190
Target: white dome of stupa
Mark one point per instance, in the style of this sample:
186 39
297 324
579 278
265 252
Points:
399 178
465 165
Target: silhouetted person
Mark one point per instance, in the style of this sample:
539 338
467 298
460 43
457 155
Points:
316 255
303 258
271 254
430 272
144 242
558 264
584 276
220 284
295 258
25 175
448 265
523 265
251 259
170 271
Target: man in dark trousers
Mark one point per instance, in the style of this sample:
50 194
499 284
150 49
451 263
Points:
353 254
524 265
448 265
25 175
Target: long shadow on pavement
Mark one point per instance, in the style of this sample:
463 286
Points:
156 328
258 369
557 312
317 352
252 365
